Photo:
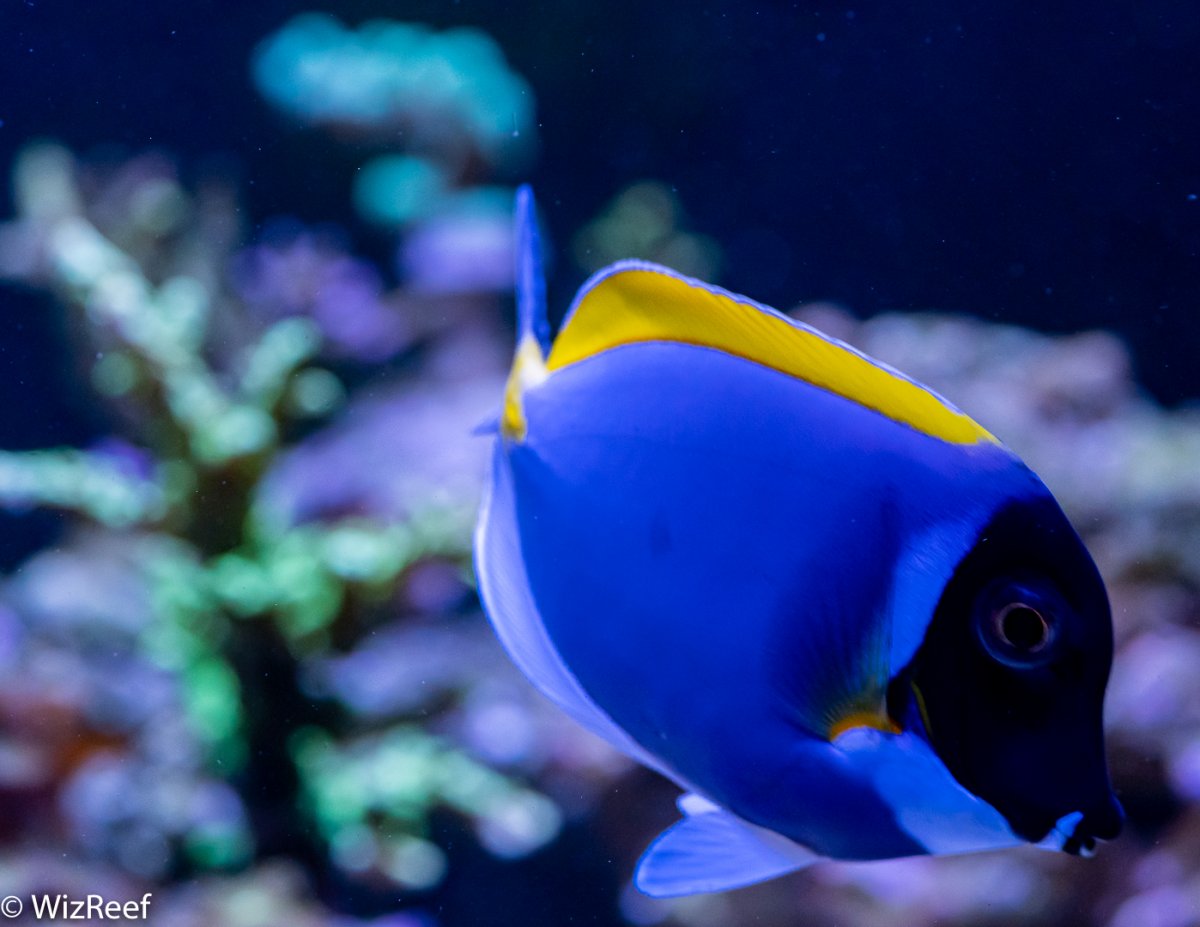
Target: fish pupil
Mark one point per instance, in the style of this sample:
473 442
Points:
1023 627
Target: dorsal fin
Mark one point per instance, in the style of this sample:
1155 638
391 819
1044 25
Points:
531 280
533 327
634 302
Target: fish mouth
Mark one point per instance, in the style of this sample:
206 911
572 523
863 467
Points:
1075 838
1079 834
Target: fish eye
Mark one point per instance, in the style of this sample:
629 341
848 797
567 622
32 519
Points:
1022 627
1017 627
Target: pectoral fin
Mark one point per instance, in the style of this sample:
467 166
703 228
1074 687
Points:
928 802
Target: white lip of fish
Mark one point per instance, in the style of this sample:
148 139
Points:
1064 830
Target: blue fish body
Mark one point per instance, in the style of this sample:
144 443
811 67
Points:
744 554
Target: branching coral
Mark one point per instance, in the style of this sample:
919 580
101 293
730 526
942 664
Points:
210 747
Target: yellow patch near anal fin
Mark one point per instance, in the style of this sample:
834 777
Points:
528 370
879 721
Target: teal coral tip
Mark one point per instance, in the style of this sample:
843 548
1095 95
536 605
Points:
387 74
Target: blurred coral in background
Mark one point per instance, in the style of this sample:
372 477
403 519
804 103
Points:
252 673
257 638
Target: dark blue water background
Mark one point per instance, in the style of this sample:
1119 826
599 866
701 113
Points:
1023 164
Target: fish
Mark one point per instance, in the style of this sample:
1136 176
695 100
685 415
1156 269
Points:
843 617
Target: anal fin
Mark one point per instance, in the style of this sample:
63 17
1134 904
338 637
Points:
711 850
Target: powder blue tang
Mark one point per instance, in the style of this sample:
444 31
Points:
840 614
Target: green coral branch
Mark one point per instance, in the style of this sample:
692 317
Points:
81 482
371 797
280 353
163 326
301 575
188 639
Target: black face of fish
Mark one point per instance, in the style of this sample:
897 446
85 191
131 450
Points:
1010 679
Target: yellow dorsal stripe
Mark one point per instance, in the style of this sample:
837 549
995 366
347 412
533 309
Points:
642 304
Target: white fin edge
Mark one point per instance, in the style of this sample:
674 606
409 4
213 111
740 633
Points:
508 601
